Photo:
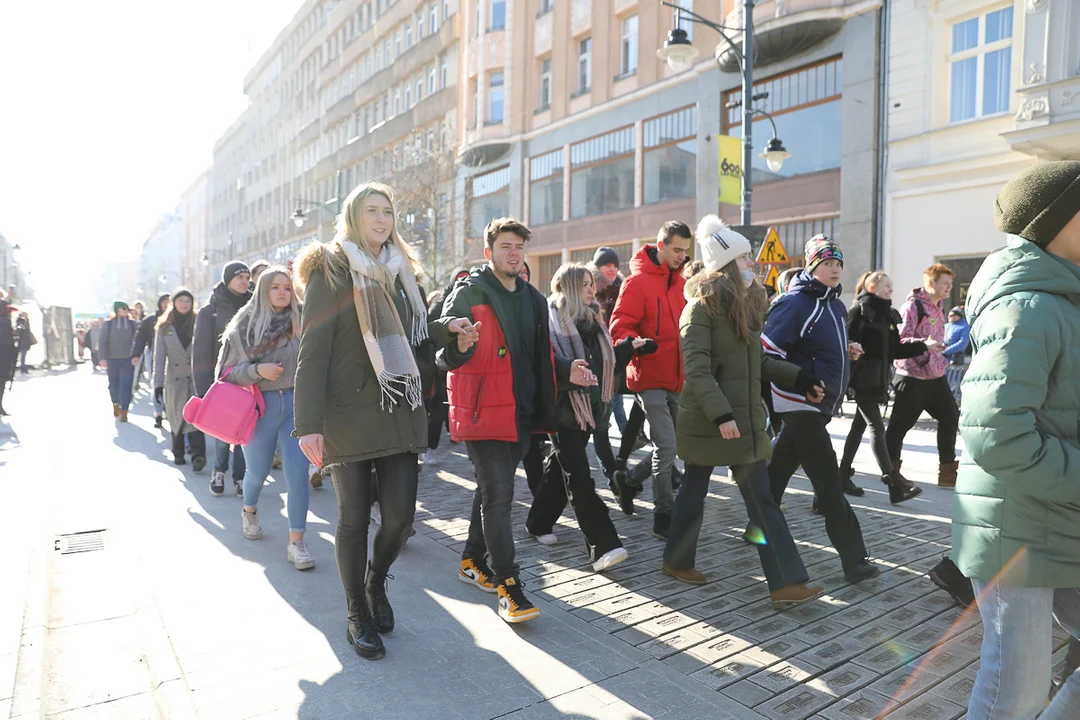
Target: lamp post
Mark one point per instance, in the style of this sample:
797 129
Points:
299 216
4 258
679 54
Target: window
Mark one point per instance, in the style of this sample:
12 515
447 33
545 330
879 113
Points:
397 101
433 19
397 44
378 59
545 83
444 68
546 188
408 95
419 88
684 20
386 52
629 45
602 174
431 80
495 99
671 156
980 63
545 7
408 35
584 66
420 26
476 19
498 14
489 198
805 104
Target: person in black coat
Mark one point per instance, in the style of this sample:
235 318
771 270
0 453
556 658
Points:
873 323
143 348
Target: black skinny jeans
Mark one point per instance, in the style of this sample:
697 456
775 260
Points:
534 463
805 441
912 397
490 531
602 442
579 489
869 415
779 557
355 486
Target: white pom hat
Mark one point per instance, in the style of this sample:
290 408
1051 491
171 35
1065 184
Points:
719 244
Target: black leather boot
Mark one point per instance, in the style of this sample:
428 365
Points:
362 633
178 449
381 612
898 492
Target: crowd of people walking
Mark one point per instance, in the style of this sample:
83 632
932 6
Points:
357 370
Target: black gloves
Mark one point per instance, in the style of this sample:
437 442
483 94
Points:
159 395
648 348
806 382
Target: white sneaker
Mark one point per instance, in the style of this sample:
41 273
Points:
548 539
299 556
433 457
250 523
611 557
376 514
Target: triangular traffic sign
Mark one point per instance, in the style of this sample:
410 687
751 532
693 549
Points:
772 250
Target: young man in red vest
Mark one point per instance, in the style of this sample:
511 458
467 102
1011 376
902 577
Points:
502 378
649 306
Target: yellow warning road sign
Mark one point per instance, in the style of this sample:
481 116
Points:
772 277
772 250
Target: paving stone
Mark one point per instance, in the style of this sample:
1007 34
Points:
958 688
945 660
846 679
796 704
855 615
770 628
712 608
831 654
929 707
819 631
885 658
872 633
776 650
727 672
782 675
863 705
936 602
921 638
905 683
714 650
680 640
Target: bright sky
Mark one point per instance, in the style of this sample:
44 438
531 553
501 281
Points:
110 109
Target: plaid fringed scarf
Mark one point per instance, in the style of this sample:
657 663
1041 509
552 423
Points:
387 344
567 342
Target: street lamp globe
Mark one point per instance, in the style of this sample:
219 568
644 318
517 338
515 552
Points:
205 260
677 50
775 154
298 218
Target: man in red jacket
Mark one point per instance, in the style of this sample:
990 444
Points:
649 305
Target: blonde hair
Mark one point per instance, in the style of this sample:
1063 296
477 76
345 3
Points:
258 311
349 227
869 279
566 292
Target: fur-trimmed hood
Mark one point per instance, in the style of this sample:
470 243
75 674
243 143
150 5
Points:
328 257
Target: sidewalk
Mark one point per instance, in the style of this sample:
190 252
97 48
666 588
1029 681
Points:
179 616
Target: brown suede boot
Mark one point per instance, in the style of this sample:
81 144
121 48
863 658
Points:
123 415
946 476
116 410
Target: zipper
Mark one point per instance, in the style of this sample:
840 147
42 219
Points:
750 391
843 354
479 395
657 319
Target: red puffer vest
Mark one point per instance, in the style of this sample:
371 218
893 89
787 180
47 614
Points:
649 306
481 392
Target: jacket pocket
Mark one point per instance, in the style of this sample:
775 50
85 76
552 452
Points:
478 406
355 388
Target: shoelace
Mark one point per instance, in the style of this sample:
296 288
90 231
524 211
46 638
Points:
517 594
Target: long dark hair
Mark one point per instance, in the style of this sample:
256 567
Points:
725 296
183 323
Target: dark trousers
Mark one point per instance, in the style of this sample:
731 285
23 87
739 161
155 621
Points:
534 462
355 484
490 530
438 415
569 477
912 397
602 443
195 439
805 441
869 415
121 374
779 557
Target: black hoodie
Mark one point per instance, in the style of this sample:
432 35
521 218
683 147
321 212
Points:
210 325
873 323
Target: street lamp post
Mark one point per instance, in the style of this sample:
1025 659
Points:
679 54
299 216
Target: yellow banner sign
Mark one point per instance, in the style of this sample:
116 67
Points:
729 155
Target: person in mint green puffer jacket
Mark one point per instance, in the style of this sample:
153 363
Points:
1016 511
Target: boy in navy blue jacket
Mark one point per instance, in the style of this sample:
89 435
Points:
808 327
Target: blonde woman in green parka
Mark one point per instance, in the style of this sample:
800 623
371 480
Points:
1016 511
722 417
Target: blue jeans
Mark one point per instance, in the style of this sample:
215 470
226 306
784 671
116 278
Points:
1014 676
221 459
275 427
619 411
121 373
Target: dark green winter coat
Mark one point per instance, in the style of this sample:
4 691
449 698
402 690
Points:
723 382
336 392
1016 511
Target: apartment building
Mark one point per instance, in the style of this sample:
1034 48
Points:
349 91
572 122
194 213
978 91
162 260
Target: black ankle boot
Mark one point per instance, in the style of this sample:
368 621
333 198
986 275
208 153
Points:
178 449
362 633
898 492
381 612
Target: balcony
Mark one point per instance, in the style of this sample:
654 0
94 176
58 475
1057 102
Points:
785 28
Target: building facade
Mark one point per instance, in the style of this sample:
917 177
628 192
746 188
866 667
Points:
573 123
978 91
162 259
195 236
348 92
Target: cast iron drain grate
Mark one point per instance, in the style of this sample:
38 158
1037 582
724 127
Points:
80 542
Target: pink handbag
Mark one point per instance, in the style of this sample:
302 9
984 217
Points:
227 412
